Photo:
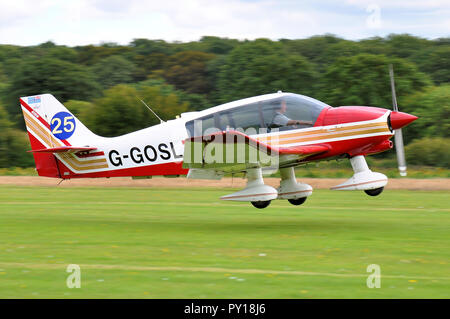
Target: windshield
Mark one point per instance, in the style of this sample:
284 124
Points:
282 113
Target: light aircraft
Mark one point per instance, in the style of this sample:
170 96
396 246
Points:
277 131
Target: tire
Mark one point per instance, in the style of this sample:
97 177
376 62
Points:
261 204
297 201
374 192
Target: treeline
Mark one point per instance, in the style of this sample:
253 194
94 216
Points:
101 84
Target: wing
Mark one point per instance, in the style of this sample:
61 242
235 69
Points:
233 151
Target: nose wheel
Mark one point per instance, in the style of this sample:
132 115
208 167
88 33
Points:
374 192
261 204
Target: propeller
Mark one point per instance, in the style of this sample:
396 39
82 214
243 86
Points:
398 137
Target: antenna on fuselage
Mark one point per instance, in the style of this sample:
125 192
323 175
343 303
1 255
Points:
160 119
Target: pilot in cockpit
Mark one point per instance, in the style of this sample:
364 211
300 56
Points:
280 119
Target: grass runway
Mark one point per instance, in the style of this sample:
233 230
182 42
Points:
186 243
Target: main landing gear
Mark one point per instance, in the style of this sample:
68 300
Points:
260 195
256 192
295 193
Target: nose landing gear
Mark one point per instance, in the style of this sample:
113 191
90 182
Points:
372 183
374 192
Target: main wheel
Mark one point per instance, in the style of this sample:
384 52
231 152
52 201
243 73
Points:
374 192
261 204
297 201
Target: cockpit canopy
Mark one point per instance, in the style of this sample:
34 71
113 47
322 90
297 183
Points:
261 117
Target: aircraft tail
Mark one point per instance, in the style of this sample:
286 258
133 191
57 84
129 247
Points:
59 141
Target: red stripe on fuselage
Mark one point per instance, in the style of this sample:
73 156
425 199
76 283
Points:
173 168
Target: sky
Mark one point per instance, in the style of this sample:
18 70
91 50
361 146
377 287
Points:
81 22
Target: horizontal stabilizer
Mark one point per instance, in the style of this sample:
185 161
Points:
63 149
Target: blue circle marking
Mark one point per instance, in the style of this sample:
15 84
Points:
63 125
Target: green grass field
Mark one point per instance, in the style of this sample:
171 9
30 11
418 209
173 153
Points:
186 243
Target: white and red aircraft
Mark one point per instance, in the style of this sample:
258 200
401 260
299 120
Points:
270 132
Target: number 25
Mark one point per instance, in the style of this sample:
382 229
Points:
67 127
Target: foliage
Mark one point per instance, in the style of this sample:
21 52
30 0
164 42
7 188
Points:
313 47
113 70
363 79
80 109
145 64
436 62
91 80
91 54
119 111
433 109
13 144
187 71
145 46
63 79
429 151
260 67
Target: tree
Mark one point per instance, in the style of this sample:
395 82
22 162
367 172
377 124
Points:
79 108
373 45
145 46
113 70
3 81
405 45
334 51
63 79
433 109
188 71
436 62
194 102
260 67
9 51
431 151
63 53
148 63
364 80
91 54
311 48
13 144
218 45
119 111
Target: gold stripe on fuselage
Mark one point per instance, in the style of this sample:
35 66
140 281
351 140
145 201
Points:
333 136
325 134
322 130
69 159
